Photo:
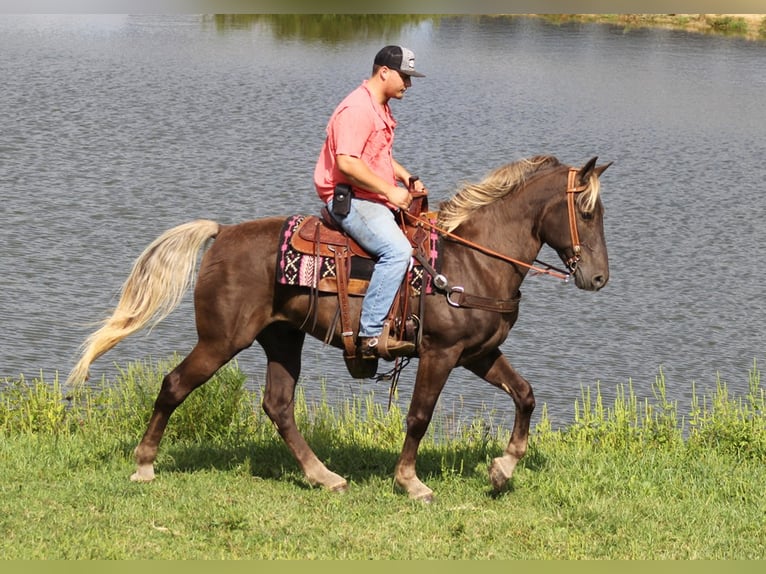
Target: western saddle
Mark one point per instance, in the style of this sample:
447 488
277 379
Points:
321 236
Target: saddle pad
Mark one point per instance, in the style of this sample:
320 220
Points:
307 270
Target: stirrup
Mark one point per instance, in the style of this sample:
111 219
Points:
385 346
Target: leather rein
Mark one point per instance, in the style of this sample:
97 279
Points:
456 295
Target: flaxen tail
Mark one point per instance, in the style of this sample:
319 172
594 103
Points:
158 281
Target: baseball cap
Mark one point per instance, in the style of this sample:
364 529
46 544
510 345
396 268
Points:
399 59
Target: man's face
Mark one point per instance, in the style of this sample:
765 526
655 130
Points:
396 83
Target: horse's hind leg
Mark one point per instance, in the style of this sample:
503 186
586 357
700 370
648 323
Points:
283 344
193 371
495 369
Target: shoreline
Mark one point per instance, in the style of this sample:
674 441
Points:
750 26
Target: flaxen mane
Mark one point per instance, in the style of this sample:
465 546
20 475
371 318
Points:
500 183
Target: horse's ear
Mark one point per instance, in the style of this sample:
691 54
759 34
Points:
586 171
602 168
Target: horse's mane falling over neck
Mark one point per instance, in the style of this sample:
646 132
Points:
499 183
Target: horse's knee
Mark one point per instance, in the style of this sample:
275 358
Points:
527 402
522 395
417 424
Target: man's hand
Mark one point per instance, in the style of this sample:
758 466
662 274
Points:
399 197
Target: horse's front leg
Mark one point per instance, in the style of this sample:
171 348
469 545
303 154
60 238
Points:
433 370
495 369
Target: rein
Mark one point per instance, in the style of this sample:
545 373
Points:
548 270
571 263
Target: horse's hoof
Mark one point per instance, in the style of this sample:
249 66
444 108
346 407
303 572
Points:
143 474
340 488
135 477
498 477
426 498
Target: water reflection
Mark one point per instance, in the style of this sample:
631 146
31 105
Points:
332 28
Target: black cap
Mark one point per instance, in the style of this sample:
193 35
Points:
399 59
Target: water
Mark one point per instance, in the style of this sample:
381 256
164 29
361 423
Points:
115 128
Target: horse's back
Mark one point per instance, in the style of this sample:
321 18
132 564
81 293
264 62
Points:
259 230
254 236
244 252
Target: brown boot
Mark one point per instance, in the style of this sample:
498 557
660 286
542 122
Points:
370 348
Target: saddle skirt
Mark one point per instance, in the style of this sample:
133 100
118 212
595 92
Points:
306 257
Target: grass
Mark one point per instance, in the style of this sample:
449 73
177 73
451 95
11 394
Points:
631 480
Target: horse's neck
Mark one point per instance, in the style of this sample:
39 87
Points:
495 237
509 225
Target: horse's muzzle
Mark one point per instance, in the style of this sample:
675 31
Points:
590 281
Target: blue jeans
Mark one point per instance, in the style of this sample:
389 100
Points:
374 227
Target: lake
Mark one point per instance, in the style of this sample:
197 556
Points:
114 128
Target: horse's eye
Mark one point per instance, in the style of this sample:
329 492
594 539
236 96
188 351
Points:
586 215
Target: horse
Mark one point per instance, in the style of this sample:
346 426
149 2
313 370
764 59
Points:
491 233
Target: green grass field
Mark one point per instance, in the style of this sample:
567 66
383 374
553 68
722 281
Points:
631 480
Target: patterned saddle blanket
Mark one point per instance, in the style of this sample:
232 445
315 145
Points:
301 262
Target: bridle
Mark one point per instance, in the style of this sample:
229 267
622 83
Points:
572 190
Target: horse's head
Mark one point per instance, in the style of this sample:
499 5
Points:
574 226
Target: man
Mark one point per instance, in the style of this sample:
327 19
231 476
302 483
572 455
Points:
358 153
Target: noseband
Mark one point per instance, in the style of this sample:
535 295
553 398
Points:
572 190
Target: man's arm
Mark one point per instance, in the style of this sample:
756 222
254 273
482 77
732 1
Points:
359 174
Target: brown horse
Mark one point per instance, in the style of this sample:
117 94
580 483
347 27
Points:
493 231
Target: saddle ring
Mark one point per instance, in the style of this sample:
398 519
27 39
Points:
456 289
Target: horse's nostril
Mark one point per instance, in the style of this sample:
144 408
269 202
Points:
599 281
